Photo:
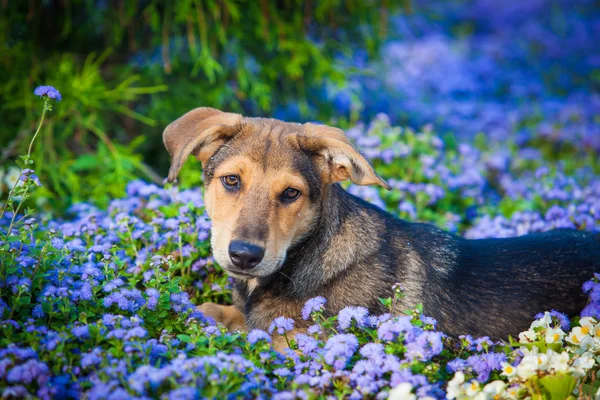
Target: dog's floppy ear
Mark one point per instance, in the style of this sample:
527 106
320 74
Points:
199 132
343 160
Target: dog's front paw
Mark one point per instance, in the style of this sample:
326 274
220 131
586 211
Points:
229 316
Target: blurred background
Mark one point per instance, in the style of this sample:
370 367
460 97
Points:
511 72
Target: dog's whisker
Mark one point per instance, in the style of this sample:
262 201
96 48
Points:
293 282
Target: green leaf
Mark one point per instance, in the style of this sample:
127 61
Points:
184 338
558 387
85 162
24 300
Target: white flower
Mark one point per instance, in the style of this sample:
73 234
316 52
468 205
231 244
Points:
528 366
402 392
534 350
454 386
527 336
558 361
472 388
512 392
587 343
587 325
596 332
495 389
576 335
11 177
581 365
508 370
543 322
543 362
554 335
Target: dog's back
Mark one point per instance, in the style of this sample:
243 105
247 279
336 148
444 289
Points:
495 286
286 231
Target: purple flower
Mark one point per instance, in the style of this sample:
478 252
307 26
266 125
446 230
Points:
37 311
339 348
347 314
390 329
484 364
136 332
92 358
282 325
126 299
425 346
458 364
180 302
256 335
307 344
316 304
314 329
153 296
49 91
562 319
282 372
112 285
81 332
374 351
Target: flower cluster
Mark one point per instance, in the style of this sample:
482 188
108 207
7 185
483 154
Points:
101 303
546 360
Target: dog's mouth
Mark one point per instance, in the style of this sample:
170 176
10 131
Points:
241 275
252 274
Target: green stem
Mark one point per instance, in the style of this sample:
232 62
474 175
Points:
132 241
38 128
12 311
9 197
28 156
183 271
12 221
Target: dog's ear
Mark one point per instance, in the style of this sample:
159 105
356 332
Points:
199 132
342 159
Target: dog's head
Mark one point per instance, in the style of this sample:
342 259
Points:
265 181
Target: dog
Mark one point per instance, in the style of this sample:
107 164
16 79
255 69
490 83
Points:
286 231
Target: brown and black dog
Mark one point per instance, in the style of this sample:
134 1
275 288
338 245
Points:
286 231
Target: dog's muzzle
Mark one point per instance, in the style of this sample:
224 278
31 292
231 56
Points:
245 256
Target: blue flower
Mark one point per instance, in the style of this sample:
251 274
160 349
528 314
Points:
153 296
282 325
282 372
49 91
562 319
484 364
37 311
315 304
338 350
348 314
81 332
458 364
425 346
256 335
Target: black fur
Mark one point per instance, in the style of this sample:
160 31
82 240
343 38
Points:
493 287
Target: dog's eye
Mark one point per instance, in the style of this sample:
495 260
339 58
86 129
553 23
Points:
231 182
290 194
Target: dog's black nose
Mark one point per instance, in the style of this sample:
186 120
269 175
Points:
245 255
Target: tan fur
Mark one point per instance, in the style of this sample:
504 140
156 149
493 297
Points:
199 132
263 156
231 317
286 224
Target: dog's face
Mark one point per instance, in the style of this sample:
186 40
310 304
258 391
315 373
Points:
265 181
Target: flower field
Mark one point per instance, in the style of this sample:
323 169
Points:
490 131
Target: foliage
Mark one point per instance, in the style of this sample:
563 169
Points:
116 63
102 304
